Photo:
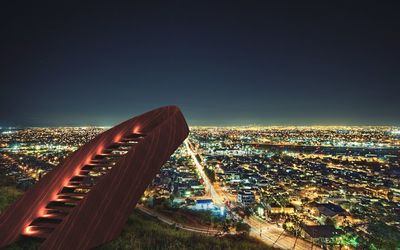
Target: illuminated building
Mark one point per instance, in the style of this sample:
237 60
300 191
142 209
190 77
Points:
277 209
204 204
246 198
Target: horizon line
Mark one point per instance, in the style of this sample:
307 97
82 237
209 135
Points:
211 126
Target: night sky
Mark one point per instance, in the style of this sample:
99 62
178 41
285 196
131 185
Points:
221 62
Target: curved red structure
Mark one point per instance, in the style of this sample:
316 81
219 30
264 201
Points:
86 200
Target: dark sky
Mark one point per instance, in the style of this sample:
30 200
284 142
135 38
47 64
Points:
221 62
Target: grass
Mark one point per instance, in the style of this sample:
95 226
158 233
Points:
143 232
8 195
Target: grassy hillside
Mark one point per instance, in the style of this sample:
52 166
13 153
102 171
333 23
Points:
143 232
7 196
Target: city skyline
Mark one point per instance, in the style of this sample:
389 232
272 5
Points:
245 125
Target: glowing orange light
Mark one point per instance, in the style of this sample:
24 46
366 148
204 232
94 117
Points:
77 171
99 149
88 159
118 137
29 230
46 215
65 181
41 212
136 129
54 195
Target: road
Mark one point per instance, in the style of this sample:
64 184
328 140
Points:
165 219
207 183
271 234
276 236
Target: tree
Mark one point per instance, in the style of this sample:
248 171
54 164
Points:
384 236
242 227
210 174
247 212
329 221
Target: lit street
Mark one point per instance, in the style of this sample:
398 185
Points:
270 233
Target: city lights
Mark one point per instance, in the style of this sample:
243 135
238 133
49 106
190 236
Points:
293 179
